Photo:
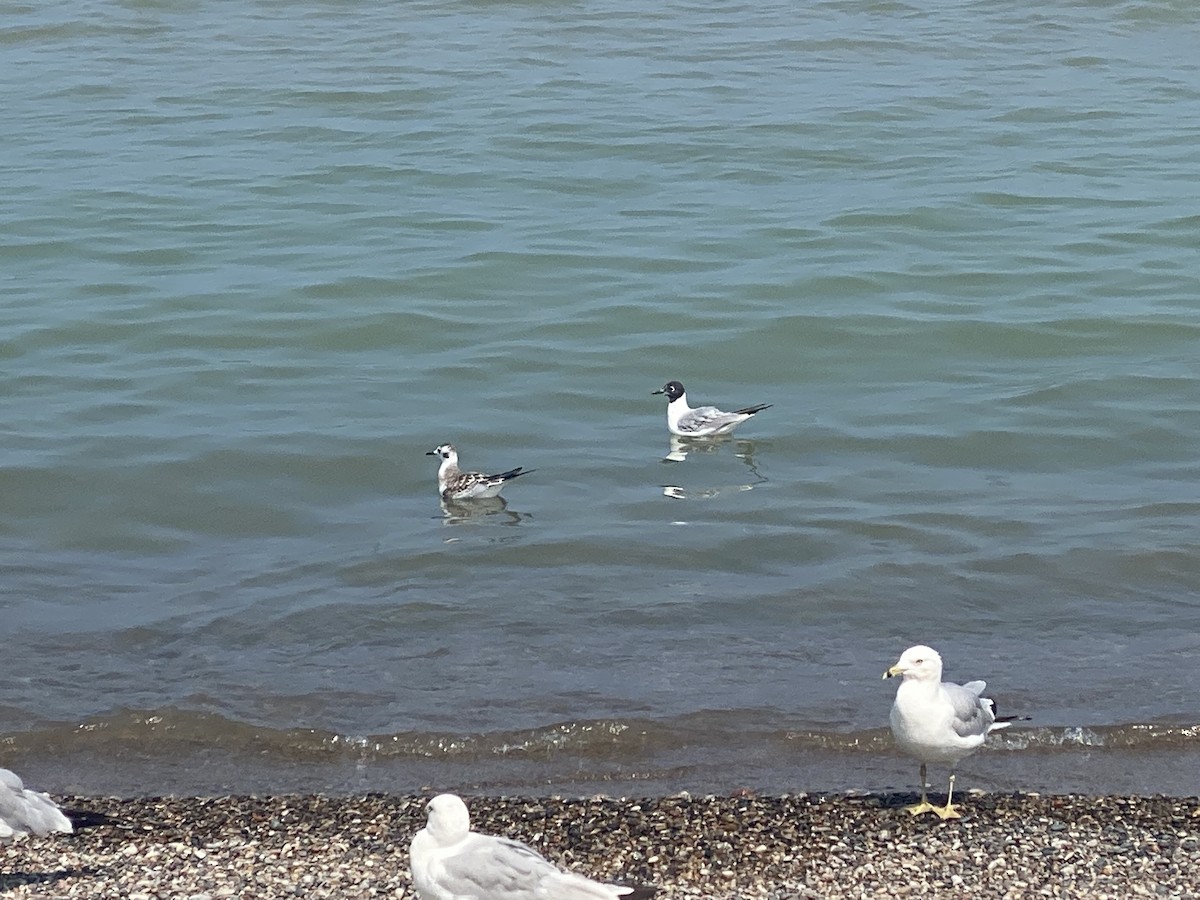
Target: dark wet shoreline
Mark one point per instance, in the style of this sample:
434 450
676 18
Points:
207 772
778 847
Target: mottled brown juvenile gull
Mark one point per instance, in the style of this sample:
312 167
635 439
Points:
449 861
24 812
455 484
937 721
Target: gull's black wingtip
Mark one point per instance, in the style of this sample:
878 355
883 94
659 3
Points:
642 892
88 818
751 410
512 473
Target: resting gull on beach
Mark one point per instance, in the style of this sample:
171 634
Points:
937 721
451 862
24 812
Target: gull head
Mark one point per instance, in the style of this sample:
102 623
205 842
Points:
920 663
673 390
445 451
449 821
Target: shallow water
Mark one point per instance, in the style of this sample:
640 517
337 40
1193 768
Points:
256 265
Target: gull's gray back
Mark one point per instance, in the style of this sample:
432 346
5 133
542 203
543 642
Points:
502 869
23 811
703 417
972 713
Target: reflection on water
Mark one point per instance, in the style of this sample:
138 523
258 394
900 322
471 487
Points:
679 449
675 492
462 512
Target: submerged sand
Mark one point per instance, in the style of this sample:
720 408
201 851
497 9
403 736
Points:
781 848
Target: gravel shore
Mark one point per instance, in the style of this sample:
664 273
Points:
782 848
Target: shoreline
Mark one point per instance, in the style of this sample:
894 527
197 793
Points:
100 766
783 847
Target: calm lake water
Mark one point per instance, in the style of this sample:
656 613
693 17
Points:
259 258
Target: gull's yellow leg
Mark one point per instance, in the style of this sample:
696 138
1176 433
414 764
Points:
948 811
924 805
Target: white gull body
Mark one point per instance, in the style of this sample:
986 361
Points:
937 721
24 812
701 421
449 861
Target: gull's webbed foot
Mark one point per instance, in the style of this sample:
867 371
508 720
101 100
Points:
923 806
949 811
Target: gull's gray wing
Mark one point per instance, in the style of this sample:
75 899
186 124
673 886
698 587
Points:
501 869
493 867
972 714
704 417
23 811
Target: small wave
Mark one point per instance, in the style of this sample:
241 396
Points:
171 731
1130 736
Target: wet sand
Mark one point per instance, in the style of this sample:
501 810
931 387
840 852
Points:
781 847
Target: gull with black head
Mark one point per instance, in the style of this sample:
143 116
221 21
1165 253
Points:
455 484
702 421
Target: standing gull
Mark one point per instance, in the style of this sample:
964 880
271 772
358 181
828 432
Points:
24 812
454 484
937 721
703 421
449 861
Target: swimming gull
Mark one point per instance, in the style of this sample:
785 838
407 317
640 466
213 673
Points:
703 421
454 484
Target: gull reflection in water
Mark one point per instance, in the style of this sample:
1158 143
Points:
463 512
680 448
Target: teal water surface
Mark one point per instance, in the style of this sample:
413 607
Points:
257 260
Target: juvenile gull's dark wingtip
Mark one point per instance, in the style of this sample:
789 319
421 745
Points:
512 473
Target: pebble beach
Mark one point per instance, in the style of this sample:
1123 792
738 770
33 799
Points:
781 847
